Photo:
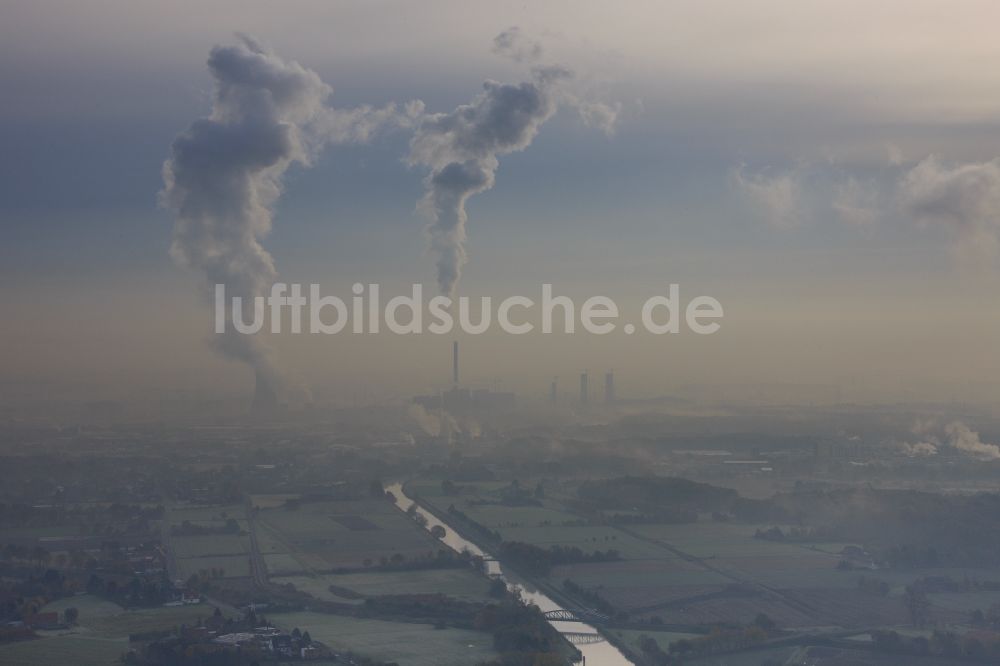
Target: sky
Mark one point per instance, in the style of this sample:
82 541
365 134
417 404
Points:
826 170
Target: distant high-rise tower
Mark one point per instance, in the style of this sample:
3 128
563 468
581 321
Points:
553 390
609 387
454 362
584 397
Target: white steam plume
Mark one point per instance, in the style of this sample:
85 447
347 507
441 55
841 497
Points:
955 435
225 173
961 437
461 148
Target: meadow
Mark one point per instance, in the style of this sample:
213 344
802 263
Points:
323 536
404 643
101 635
459 583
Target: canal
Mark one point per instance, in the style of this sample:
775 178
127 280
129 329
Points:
595 649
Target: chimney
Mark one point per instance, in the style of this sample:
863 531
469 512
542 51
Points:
609 387
584 397
454 362
553 390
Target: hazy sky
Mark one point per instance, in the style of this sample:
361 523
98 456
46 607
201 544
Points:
774 155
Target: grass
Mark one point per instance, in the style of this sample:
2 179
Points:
965 601
631 638
313 534
405 643
120 625
88 605
210 545
587 539
195 514
282 564
101 635
460 583
233 566
63 650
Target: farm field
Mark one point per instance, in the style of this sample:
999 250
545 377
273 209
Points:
210 546
103 619
197 513
459 583
965 602
101 636
705 572
779 655
405 643
195 553
632 638
587 539
232 566
732 550
64 650
327 535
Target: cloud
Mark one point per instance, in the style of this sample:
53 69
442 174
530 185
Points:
775 197
513 44
856 202
964 200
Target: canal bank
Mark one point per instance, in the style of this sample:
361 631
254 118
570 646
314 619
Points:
602 652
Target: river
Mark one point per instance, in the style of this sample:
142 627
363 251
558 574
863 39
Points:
599 653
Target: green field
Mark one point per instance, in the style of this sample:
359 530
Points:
631 638
204 552
328 535
588 539
103 619
69 650
101 635
460 583
208 546
405 643
193 513
233 566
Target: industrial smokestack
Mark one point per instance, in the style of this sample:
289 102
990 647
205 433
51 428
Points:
609 387
584 396
454 362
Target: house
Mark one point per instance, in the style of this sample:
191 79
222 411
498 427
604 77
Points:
282 644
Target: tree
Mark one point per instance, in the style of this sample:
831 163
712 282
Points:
40 556
438 532
71 615
498 589
916 604
762 621
296 633
306 638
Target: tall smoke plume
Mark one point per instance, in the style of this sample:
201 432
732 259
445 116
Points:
461 148
225 172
